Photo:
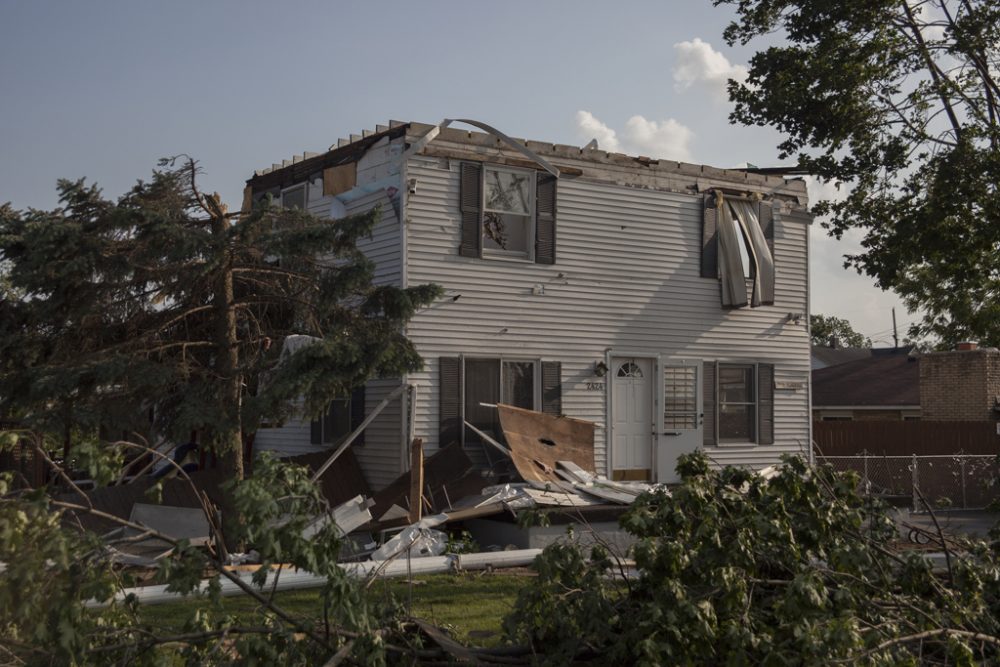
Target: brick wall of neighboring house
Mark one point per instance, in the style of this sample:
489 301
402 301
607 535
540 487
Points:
877 415
961 385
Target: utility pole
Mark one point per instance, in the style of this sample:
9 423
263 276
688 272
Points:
895 334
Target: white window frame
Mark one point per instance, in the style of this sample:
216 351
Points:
536 389
529 253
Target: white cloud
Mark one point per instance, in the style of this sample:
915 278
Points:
665 139
589 126
818 190
699 64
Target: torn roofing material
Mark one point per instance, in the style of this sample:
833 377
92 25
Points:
312 167
448 476
538 441
340 483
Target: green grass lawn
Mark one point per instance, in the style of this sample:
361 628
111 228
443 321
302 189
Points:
470 605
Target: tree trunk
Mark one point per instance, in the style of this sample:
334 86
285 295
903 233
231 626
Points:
230 441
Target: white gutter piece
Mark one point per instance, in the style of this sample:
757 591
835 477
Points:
298 579
419 144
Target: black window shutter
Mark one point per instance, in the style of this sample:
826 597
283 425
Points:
710 238
470 195
765 404
358 413
329 424
316 431
552 387
451 400
545 218
710 400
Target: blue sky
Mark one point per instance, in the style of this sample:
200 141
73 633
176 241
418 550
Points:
103 89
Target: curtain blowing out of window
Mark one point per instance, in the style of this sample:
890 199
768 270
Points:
730 227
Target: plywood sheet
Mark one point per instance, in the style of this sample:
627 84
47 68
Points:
339 179
538 441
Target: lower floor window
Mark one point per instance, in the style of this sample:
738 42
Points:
340 419
471 386
737 403
492 381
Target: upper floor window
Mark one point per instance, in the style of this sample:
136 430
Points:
507 212
737 247
294 197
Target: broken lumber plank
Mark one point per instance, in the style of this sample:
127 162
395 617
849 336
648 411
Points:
356 432
416 479
607 494
560 499
630 488
573 470
487 438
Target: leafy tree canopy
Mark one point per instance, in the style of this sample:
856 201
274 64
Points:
827 328
898 99
163 302
738 569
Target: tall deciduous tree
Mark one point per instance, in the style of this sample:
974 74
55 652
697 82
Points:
827 328
164 303
898 99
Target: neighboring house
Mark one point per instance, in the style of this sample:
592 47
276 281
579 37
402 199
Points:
665 301
899 384
961 385
824 356
883 385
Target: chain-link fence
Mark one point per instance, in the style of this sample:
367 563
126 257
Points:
946 481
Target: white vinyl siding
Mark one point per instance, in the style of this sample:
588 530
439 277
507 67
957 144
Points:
627 277
380 456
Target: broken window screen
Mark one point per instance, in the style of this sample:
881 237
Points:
508 207
737 403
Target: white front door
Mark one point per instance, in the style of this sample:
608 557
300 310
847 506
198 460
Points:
682 417
632 423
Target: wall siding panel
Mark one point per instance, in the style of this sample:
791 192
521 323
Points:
381 455
627 277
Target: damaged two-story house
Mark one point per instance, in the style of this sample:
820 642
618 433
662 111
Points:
665 301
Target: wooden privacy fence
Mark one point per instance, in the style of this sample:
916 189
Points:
905 438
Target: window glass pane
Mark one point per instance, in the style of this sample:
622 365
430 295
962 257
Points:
337 425
737 403
294 197
519 384
736 423
482 385
505 232
507 192
629 369
736 384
